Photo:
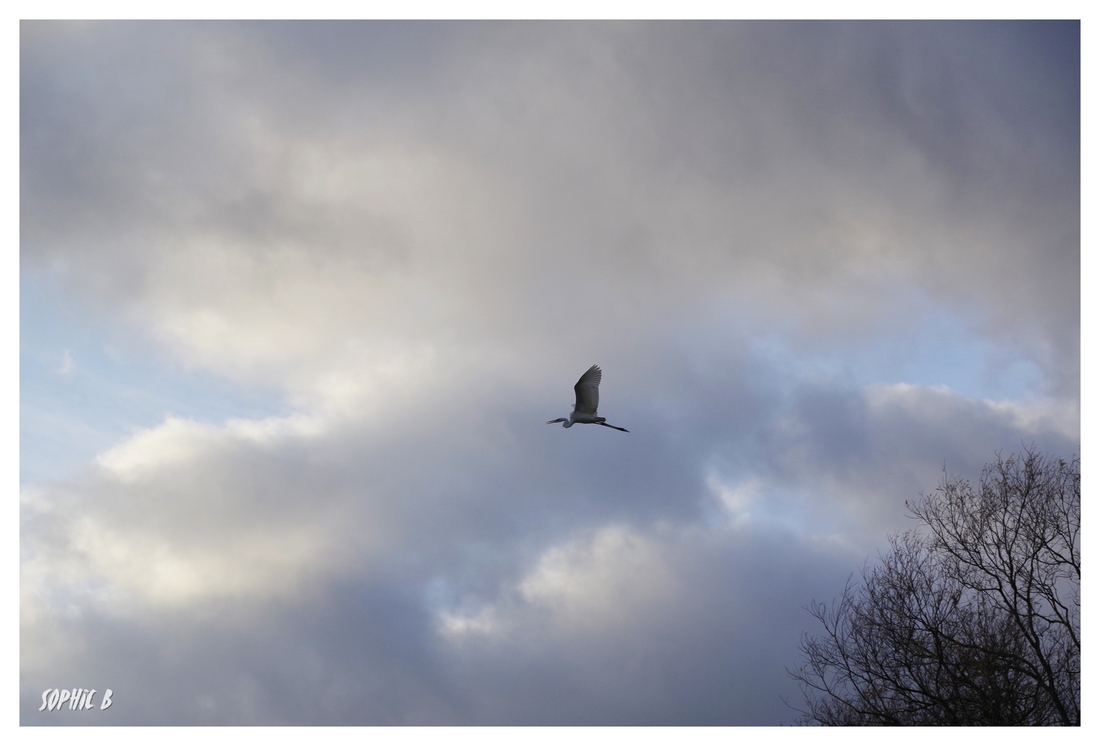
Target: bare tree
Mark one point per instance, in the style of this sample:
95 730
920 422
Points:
974 620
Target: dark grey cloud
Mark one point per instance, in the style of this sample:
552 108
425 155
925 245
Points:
289 579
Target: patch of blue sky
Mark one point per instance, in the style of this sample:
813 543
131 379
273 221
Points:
937 350
81 393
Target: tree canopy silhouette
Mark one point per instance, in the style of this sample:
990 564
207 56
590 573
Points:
974 619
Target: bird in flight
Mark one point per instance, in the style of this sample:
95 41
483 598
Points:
588 398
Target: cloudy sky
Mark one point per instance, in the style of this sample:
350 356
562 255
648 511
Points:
297 299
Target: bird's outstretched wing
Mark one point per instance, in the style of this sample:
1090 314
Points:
588 391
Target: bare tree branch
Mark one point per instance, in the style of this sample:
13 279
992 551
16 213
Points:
973 621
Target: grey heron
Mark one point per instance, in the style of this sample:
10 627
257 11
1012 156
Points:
588 398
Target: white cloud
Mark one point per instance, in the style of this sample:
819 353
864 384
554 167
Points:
736 500
183 514
67 364
596 583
